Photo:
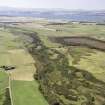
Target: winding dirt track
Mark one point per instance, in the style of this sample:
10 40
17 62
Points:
80 41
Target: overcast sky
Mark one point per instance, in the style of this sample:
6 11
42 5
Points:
67 4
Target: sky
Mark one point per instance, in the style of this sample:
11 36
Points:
64 4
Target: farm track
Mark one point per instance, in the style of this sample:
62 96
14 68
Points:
10 90
80 41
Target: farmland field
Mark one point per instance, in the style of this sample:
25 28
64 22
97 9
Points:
52 73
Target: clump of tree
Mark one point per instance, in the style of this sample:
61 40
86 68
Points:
7 100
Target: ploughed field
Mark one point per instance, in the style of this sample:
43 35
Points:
80 41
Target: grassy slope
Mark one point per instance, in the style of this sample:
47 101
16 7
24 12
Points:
22 92
8 40
92 62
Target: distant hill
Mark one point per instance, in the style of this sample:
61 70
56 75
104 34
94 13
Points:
77 15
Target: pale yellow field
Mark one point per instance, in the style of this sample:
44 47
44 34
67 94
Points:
22 60
25 73
20 57
4 59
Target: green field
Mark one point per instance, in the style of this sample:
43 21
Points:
27 93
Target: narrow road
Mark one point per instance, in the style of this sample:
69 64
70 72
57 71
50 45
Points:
9 75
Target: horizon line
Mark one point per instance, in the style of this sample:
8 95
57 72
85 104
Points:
68 9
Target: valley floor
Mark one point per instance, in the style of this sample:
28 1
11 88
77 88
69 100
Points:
64 74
